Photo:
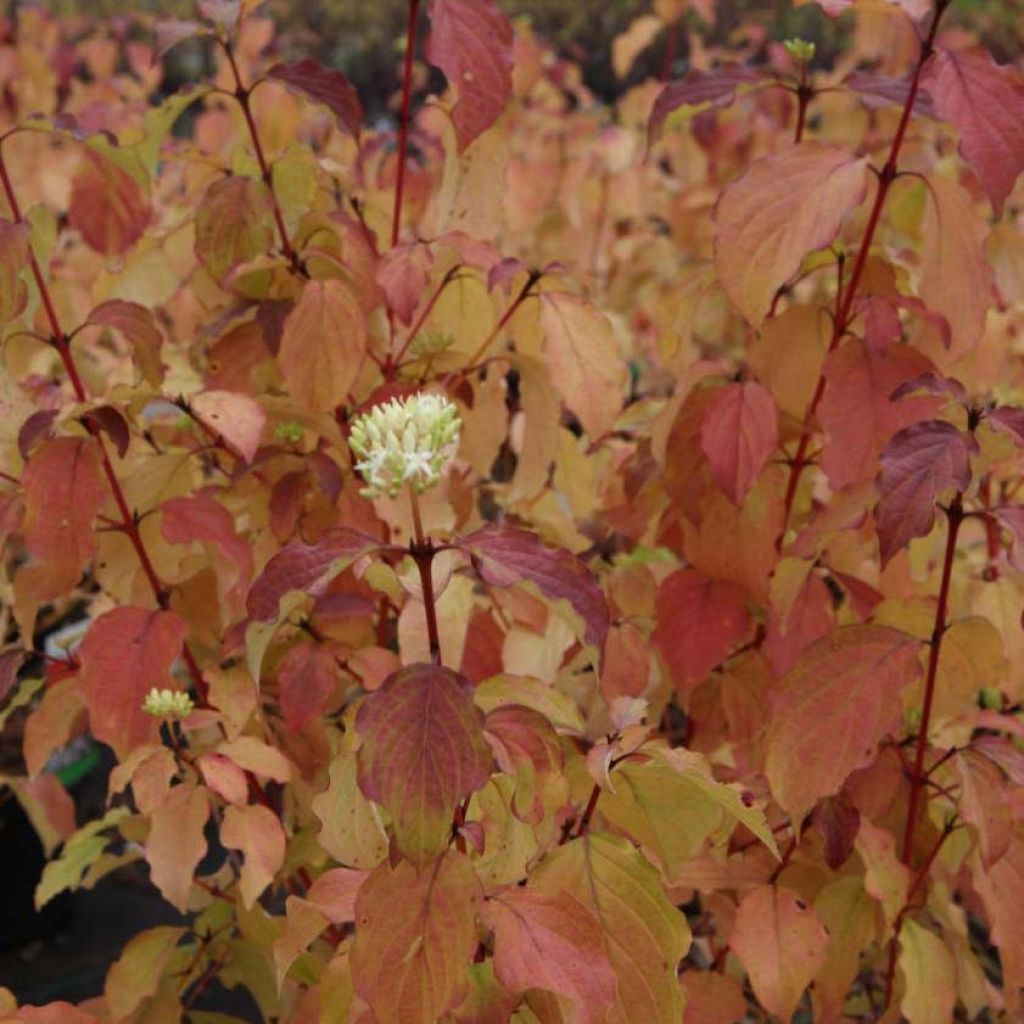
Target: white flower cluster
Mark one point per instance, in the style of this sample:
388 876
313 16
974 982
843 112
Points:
167 704
404 441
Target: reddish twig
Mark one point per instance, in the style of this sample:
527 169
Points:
403 124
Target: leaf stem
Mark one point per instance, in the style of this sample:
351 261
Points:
403 124
422 551
242 94
886 177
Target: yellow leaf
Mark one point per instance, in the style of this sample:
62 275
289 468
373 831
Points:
929 976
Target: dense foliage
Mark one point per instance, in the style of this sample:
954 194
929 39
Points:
536 562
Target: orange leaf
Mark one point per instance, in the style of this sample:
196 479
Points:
108 205
415 937
784 207
550 940
782 944
63 493
257 832
832 710
583 360
126 653
233 224
323 345
239 419
176 843
419 711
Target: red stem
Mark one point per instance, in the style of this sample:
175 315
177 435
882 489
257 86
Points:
955 516
886 177
671 46
403 124
129 521
242 94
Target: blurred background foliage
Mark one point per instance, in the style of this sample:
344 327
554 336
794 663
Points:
364 38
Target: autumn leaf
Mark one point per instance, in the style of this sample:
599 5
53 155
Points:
920 465
306 677
956 280
323 345
415 937
644 936
782 208
256 831
583 360
506 555
305 567
698 622
929 976
138 326
135 976
859 410
781 942
552 941
739 435
233 224
126 653
419 711
471 42
63 492
108 204
326 86
238 419
351 828
833 709
696 91
985 101
176 842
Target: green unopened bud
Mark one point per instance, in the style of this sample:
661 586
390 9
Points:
289 431
167 704
800 50
991 698
404 441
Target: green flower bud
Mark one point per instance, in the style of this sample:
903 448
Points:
167 704
800 50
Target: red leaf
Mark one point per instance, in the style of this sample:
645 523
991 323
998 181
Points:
985 101
38 427
326 86
471 42
832 710
880 90
126 653
506 555
919 464
1009 420
419 711
739 434
108 420
63 492
552 941
699 621
699 89
200 517
403 273
108 206
306 567
138 325
305 679
1012 518
858 411
239 419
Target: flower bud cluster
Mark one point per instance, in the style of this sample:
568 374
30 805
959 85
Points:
167 703
404 441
